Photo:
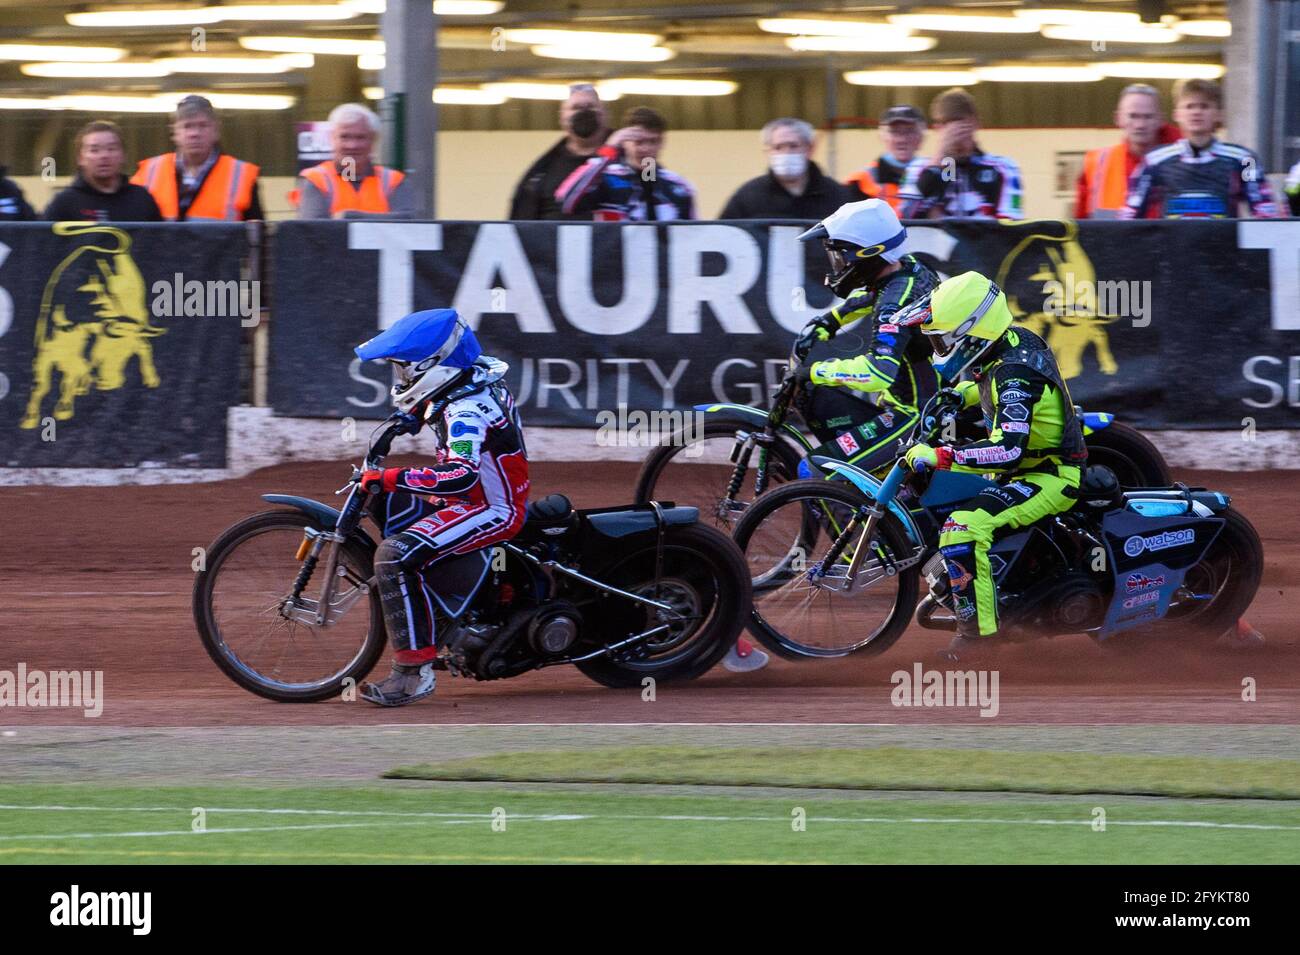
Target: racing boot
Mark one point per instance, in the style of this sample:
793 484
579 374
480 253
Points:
960 561
407 683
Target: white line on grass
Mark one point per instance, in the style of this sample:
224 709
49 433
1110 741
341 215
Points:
460 817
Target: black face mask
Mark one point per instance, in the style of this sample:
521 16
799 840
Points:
584 123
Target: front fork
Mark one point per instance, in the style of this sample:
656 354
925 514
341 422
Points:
310 551
741 454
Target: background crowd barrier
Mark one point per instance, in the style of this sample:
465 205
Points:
120 346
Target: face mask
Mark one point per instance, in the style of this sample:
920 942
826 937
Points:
788 165
584 123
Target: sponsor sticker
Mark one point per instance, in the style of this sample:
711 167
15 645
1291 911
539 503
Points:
1138 582
891 329
1136 544
1012 395
886 418
1016 412
847 443
1015 427
951 527
1149 597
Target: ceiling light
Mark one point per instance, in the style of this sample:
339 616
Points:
862 44
1211 28
37 52
107 71
152 103
308 44
574 37
911 78
1111 33
466 8
544 91
237 64
962 22
1039 73
660 86
630 54
807 27
1063 15
160 17
1146 69
371 61
462 96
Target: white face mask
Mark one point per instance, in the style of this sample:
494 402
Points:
788 165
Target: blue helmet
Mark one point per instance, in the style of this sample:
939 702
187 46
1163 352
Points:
430 350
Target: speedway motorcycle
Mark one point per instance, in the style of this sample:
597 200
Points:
739 451
838 566
288 607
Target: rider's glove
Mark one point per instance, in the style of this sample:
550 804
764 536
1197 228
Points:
922 456
969 392
385 480
820 329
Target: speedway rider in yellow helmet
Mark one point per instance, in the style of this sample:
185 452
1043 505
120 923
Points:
1035 447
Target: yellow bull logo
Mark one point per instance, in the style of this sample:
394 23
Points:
93 321
1051 287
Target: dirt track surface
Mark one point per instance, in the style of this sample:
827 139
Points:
99 579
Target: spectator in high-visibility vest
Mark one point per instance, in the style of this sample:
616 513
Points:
352 181
1103 182
198 181
902 129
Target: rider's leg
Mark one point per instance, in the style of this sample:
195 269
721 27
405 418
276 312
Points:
968 534
872 441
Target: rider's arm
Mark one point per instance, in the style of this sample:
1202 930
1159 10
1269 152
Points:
457 471
879 366
1256 190
1015 396
1143 187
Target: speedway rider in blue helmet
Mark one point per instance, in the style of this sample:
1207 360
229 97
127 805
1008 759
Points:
471 497
872 273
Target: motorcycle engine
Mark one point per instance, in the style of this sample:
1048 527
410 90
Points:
554 628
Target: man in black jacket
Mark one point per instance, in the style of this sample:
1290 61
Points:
793 187
582 117
13 205
100 192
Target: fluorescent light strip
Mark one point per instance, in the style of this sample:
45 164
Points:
575 37
962 23
38 52
325 46
1039 73
631 54
861 44
911 78
1146 69
1110 33
847 28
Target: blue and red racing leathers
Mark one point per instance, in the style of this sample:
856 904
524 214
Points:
473 496
1189 182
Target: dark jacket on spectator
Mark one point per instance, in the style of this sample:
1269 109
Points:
535 195
763 197
13 205
82 201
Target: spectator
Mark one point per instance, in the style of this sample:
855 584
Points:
582 117
100 192
793 187
352 181
1198 176
13 204
1103 182
1293 189
198 180
962 180
901 128
625 179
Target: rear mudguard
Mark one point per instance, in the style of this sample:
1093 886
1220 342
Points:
324 515
869 486
756 417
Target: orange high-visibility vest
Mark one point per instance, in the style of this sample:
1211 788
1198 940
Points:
867 184
225 195
1106 173
372 196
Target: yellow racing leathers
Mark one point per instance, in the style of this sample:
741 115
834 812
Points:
1035 451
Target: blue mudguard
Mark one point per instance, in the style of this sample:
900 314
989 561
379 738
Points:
869 486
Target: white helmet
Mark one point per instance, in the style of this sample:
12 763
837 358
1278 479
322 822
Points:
861 238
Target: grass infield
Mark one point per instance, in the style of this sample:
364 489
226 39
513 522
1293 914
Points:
455 823
885 768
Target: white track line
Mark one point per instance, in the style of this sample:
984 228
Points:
463 817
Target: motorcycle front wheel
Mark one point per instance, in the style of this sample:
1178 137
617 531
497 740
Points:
264 639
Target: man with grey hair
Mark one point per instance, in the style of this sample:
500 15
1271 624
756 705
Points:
198 181
1103 182
582 117
351 181
793 187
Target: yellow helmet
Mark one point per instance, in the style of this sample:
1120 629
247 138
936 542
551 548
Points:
963 316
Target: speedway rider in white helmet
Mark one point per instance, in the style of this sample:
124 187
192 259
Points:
471 497
870 270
